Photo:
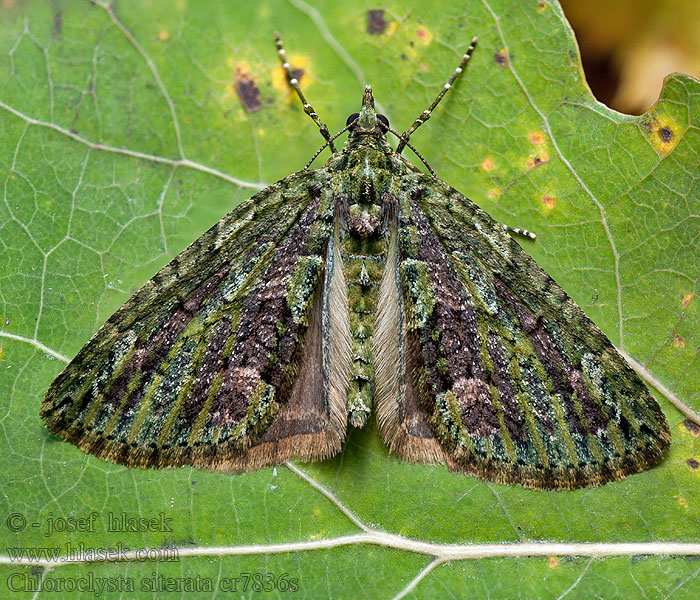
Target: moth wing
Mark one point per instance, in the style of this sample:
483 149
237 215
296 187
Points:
402 420
516 383
232 357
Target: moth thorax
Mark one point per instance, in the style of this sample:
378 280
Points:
364 220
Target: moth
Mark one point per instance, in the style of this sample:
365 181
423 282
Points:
365 285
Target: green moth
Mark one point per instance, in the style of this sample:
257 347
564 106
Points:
363 285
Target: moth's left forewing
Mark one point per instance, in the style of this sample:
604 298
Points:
518 385
223 359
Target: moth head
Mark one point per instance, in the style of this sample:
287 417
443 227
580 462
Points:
367 120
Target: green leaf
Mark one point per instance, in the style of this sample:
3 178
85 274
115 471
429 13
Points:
122 139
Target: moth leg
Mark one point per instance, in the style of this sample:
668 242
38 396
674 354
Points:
523 232
425 115
294 82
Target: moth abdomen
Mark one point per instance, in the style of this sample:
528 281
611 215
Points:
363 274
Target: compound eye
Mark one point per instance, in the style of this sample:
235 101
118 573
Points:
352 118
383 122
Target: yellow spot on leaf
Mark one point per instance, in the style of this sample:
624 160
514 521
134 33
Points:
163 35
488 164
536 137
678 341
553 562
494 193
682 502
2 352
424 36
687 298
300 70
661 130
410 51
548 203
242 69
391 29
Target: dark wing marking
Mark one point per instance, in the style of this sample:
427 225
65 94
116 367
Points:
206 364
517 383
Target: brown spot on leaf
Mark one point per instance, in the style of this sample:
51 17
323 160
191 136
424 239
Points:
536 137
297 74
487 164
553 562
501 57
247 89
376 23
536 161
548 202
665 134
424 36
162 35
687 298
494 193
692 463
678 341
692 428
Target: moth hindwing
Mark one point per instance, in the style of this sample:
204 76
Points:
363 284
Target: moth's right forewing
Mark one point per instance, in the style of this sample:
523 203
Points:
518 385
199 364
